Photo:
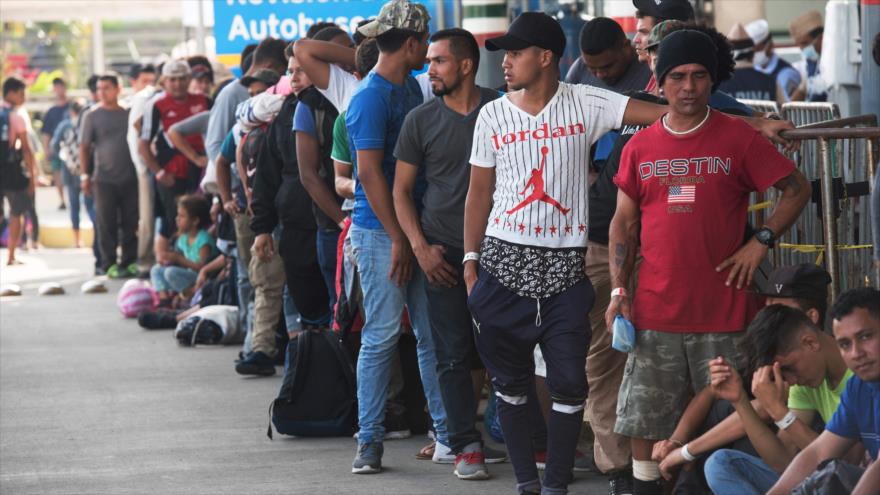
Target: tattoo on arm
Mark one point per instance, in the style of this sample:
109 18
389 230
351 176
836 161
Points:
791 182
619 254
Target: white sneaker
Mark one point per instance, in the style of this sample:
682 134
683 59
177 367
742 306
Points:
442 454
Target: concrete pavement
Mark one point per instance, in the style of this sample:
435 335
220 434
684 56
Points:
92 404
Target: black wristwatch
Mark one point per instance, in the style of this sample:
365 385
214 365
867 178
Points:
766 237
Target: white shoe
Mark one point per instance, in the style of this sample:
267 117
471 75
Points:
442 454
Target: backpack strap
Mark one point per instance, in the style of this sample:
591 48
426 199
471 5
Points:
342 357
303 346
320 115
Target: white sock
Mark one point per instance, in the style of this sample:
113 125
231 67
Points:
646 470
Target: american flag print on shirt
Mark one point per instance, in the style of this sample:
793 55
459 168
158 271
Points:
682 194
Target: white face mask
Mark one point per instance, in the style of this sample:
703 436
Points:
809 52
761 59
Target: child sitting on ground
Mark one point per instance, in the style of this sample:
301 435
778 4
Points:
194 248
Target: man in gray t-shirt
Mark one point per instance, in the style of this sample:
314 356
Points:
437 140
109 174
434 147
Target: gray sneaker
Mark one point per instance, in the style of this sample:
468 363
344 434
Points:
368 459
494 456
471 465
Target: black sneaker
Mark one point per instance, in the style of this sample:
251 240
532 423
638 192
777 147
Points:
620 483
654 487
256 363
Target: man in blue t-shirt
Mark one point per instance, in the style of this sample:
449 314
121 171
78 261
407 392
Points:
389 277
856 316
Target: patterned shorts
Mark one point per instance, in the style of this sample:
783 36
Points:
656 379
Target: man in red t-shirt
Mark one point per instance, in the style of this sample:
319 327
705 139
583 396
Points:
684 186
175 175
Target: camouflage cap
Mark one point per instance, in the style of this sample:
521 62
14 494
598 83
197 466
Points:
400 14
660 31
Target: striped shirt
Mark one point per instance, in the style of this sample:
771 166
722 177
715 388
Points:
542 163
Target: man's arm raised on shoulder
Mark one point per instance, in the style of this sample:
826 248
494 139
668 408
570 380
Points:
429 257
623 240
644 113
378 193
477 207
827 446
315 58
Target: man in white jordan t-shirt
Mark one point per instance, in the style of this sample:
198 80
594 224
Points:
526 235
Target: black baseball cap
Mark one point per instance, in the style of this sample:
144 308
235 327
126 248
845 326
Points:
680 10
531 29
267 76
804 281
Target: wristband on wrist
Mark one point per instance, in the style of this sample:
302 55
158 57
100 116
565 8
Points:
676 442
470 256
686 454
619 291
786 421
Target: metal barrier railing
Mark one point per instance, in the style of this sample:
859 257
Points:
836 227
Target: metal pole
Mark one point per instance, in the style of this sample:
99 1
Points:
828 220
872 171
200 29
870 72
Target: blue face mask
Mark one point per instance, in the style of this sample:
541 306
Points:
810 53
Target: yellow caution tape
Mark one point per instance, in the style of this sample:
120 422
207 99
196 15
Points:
760 206
820 248
815 248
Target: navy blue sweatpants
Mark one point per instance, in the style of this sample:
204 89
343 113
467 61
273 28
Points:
508 327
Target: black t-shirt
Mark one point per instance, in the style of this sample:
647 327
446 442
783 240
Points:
603 192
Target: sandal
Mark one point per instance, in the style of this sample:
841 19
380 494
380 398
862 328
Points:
427 452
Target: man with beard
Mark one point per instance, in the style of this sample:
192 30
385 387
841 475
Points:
437 237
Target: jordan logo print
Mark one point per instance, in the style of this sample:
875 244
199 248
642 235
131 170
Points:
536 181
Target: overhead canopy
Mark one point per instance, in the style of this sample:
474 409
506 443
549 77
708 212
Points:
55 11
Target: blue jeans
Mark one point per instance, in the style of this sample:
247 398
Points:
383 308
73 192
731 472
89 202
245 297
172 278
327 242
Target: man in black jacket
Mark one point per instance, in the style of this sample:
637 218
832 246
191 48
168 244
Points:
279 199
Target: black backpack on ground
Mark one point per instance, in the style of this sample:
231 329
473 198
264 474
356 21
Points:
318 396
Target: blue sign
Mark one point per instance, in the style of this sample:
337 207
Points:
238 23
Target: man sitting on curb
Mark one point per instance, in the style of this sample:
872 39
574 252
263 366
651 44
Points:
857 330
804 288
785 348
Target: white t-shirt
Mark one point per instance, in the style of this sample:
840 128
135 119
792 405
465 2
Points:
542 163
341 85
